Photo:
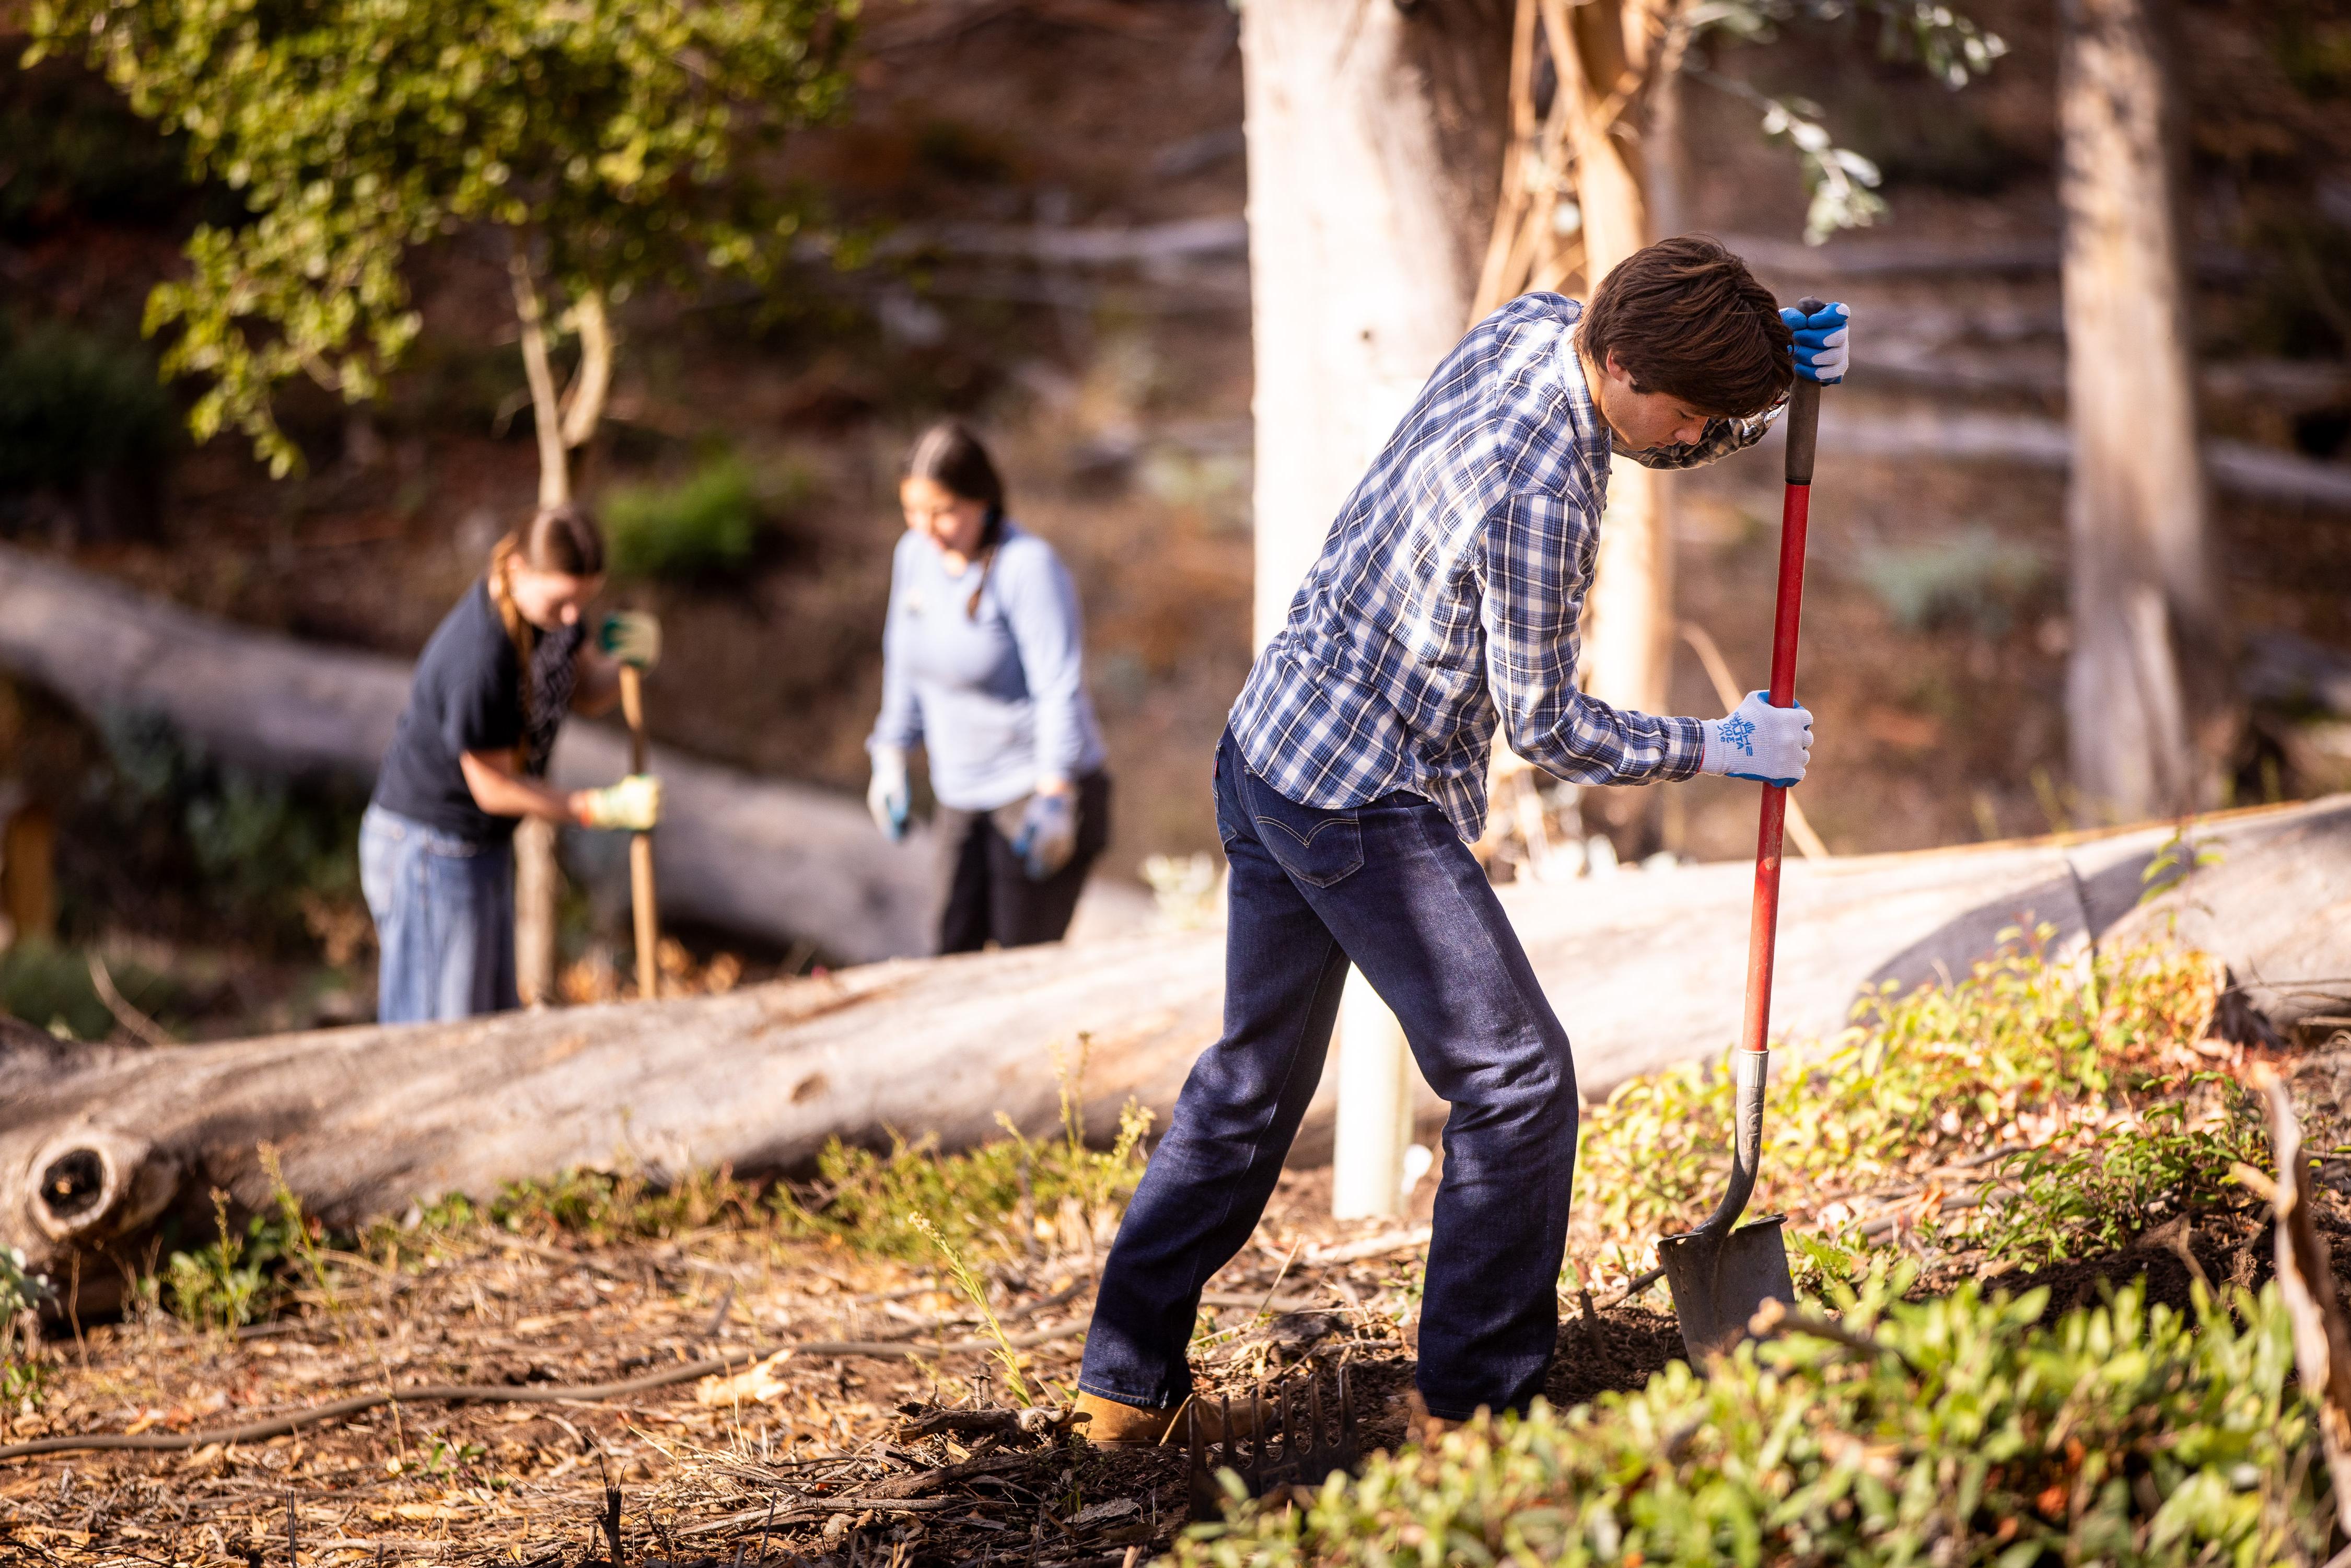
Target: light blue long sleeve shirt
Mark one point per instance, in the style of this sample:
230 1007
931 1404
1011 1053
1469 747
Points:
998 700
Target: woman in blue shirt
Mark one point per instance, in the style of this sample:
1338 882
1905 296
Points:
983 663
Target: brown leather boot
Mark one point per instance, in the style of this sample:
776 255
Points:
1117 1426
1421 1428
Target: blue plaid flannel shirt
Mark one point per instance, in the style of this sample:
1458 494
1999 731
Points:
1448 591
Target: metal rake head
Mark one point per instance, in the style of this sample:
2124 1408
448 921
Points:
1268 1443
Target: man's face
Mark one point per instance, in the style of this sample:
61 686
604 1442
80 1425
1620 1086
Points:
1643 420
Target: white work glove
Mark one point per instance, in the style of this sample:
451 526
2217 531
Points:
887 797
1049 834
631 636
634 803
1769 745
1824 346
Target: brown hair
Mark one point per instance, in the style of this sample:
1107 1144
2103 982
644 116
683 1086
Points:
1686 317
950 456
562 538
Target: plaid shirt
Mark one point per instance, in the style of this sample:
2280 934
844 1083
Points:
1450 586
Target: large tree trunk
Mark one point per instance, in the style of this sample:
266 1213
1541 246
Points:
769 859
97 1142
1629 614
1374 130
2146 602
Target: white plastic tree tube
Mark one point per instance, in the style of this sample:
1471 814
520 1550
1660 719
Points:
1374 1117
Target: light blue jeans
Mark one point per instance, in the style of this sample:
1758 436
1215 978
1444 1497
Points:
445 919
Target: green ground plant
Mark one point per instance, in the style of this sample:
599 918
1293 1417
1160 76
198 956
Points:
706 526
2060 1076
998 1201
233 1280
1952 1431
22 1371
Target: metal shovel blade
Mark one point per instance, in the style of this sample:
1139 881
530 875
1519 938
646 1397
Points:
1719 1282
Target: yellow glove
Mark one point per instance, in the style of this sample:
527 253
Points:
634 803
632 637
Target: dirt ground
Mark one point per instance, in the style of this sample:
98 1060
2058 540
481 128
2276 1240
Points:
782 1399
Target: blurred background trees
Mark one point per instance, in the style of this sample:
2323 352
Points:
1045 199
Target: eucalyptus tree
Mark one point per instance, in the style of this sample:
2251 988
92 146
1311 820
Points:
1379 132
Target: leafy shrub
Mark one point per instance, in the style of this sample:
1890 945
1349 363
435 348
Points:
2125 1434
231 1280
21 1294
2025 1051
1971 576
705 526
1002 1199
72 405
265 854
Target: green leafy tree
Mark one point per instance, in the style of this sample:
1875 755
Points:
606 144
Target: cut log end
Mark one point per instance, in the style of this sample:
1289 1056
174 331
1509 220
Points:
89 1185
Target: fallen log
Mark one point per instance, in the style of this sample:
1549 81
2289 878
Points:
758 856
98 1143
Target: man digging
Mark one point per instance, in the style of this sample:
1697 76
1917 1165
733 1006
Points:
1350 781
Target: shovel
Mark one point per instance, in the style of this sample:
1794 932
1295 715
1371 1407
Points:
1723 1272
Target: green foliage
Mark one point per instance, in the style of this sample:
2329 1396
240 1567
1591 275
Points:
975 1290
49 987
608 1206
1842 183
705 526
611 139
2023 1050
1971 576
998 1200
22 1374
2125 1435
260 848
2099 1194
72 405
228 1282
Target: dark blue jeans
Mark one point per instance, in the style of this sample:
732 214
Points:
1391 888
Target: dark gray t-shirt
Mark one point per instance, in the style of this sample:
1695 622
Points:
468 697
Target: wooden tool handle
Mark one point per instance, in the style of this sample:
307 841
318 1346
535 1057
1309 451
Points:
641 845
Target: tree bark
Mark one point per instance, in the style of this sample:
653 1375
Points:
2145 604
1374 133
98 1143
1628 634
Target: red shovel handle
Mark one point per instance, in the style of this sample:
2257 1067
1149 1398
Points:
1803 423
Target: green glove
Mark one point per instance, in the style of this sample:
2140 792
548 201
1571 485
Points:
634 803
631 636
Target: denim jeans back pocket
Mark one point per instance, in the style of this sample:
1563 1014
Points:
1319 847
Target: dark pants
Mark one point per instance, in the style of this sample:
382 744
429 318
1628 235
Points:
987 893
1390 886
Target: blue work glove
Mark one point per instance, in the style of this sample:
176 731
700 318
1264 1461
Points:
887 797
1049 834
1824 342
1768 745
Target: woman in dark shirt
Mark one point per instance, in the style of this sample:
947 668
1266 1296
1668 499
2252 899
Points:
469 759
